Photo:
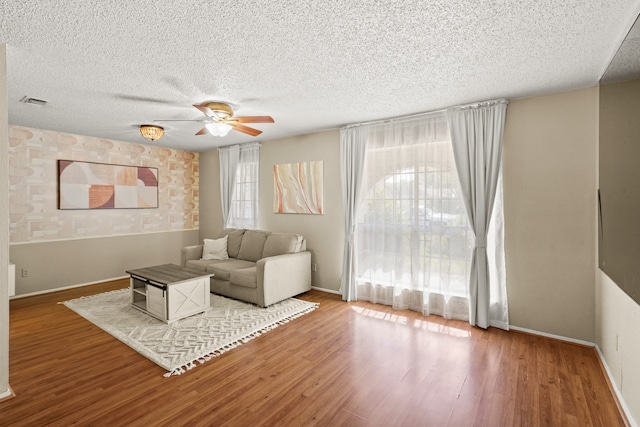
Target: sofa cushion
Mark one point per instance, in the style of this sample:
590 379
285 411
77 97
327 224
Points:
252 245
222 269
281 243
200 264
233 241
244 277
215 249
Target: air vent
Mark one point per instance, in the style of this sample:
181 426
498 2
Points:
33 101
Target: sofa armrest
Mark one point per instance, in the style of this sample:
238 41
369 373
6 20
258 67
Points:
282 276
190 252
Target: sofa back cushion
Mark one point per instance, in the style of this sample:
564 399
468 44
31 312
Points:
233 241
282 243
252 245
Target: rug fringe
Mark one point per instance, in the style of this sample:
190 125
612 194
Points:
208 356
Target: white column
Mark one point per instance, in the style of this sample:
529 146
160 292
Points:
4 227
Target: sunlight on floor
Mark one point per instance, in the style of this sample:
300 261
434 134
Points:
417 323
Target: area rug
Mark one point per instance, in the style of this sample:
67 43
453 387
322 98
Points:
196 339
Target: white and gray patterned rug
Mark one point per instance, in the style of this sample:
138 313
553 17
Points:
196 339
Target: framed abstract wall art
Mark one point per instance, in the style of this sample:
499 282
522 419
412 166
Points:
86 185
298 188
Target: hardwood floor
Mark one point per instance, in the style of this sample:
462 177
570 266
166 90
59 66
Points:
355 364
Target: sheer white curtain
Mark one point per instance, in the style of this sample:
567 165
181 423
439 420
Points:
476 134
229 158
412 236
352 154
239 172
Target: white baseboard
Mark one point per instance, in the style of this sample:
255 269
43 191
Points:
329 291
557 337
614 386
48 291
6 394
625 408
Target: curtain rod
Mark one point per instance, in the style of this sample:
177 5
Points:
246 144
395 119
425 114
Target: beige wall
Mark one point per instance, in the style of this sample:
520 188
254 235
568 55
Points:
617 314
210 208
550 162
63 263
324 233
4 227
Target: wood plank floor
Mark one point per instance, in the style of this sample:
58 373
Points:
354 364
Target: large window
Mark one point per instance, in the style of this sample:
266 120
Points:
413 238
419 233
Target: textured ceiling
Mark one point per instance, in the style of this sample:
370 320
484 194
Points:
626 63
106 67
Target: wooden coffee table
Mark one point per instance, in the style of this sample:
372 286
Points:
169 292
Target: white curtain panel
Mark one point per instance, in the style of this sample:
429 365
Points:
412 236
476 135
229 159
498 310
352 154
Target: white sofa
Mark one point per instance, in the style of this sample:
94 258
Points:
262 267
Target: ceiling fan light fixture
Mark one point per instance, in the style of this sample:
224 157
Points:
218 129
152 132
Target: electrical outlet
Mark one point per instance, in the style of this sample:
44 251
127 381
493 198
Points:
25 272
314 267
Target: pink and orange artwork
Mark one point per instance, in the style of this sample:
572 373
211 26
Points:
298 188
85 185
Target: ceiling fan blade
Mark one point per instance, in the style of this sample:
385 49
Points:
206 111
252 119
202 131
182 120
245 129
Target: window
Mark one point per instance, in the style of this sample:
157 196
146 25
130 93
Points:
413 238
244 204
407 239
239 171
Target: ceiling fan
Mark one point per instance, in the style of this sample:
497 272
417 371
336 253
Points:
221 120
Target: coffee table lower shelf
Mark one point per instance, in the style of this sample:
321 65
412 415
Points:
169 292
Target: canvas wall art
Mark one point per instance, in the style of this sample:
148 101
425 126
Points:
84 185
298 188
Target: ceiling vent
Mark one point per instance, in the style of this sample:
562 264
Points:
33 101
